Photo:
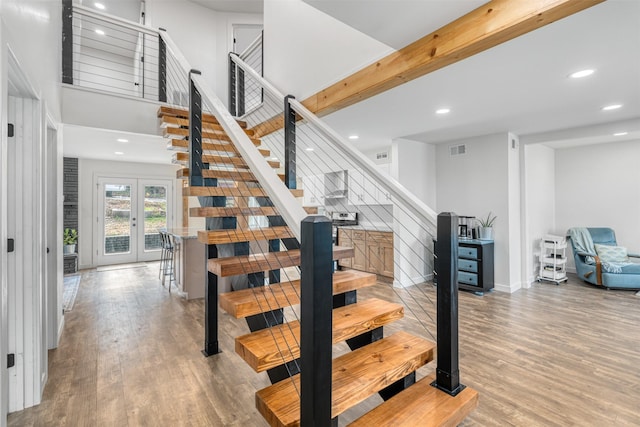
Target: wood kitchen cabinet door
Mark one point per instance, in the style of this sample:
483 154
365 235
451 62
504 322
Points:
360 246
345 238
386 257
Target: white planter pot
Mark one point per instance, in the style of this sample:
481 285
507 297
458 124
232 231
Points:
485 233
69 249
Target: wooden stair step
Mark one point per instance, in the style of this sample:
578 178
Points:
268 348
236 175
255 263
355 377
219 237
230 212
421 405
248 302
183 145
184 113
230 192
173 121
170 132
213 159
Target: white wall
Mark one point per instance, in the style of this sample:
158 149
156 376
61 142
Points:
477 183
305 50
88 170
414 166
599 186
540 208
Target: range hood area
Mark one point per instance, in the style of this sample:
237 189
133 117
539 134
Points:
335 185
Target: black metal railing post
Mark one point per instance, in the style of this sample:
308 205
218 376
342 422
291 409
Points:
446 267
195 134
67 41
289 143
240 95
162 67
316 297
233 109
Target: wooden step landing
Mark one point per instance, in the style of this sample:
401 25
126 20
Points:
183 145
421 405
168 121
356 376
183 158
268 348
184 113
255 263
229 192
171 132
248 302
220 237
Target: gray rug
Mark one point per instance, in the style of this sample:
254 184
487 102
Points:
71 285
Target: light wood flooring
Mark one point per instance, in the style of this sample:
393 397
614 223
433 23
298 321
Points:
565 355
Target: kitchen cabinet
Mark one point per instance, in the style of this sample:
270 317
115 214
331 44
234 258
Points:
373 250
313 190
363 190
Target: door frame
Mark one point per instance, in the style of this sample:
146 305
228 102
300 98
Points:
96 258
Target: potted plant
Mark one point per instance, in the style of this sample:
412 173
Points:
70 240
485 231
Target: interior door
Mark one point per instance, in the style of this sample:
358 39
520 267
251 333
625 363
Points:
131 212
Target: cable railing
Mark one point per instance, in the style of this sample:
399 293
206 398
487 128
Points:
243 98
110 54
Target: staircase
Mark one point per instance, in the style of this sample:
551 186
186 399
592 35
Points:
377 364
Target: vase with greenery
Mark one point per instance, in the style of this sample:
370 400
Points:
70 240
485 231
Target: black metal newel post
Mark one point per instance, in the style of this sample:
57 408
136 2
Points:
195 134
240 95
447 371
289 143
162 68
316 306
67 41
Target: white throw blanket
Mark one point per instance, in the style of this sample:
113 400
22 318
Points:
583 242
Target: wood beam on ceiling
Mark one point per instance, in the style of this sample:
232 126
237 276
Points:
488 26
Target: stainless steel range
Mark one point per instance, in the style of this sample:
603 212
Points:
339 219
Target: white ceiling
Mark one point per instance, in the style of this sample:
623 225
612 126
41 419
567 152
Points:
520 86
236 6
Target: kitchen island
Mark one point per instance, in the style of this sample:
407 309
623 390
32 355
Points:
190 262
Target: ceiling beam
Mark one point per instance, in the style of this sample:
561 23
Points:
488 26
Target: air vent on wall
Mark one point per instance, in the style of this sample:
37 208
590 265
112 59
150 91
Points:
458 150
382 155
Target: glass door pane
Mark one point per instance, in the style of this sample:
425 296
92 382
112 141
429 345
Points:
117 219
155 215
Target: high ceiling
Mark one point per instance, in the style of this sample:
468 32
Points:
237 6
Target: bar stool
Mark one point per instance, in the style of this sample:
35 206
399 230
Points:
167 258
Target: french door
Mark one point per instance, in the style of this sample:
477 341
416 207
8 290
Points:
130 214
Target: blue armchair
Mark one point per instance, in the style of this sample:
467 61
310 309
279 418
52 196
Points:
590 269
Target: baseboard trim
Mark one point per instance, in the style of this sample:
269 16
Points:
413 281
60 329
514 287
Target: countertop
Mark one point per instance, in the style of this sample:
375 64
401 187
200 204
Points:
368 227
183 233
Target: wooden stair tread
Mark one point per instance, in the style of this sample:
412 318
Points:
247 302
355 377
183 145
210 212
166 121
218 237
229 192
184 113
268 348
171 132
235 175
220 160
421 405
255 263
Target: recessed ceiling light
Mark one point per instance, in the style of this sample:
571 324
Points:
581 73
99 6
309 148
621 134
119 153
611 107
353 137
443 111
122 140
100 32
